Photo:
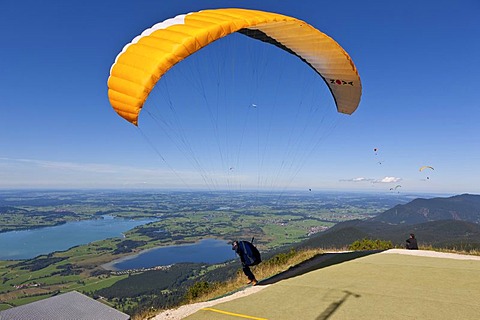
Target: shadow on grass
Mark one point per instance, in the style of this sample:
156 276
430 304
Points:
335 305
317 262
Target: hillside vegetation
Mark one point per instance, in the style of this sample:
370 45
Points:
450 223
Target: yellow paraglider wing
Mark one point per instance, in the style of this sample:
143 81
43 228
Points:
150 55
426 167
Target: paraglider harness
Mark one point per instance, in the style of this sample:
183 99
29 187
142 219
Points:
249 254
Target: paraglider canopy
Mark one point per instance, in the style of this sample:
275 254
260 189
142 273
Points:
228 119
395 188
150 55
425 167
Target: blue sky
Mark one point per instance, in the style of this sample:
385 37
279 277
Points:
419 63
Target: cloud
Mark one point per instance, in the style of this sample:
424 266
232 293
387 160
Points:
372 180
389 180
359 179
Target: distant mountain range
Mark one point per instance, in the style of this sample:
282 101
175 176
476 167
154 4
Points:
452 222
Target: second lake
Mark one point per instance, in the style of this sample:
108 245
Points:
207 251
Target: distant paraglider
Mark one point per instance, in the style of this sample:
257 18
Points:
395 188
426 167
375 151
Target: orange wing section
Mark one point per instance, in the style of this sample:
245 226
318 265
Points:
143 62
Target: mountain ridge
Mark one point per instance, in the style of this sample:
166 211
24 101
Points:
452 222
464 207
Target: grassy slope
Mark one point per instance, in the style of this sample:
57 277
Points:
378 286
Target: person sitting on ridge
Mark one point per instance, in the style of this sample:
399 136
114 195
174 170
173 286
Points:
411 243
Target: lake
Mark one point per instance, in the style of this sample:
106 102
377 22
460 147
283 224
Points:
27 244
206 250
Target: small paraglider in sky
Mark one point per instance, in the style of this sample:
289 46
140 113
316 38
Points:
426 167
376 151
395 188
